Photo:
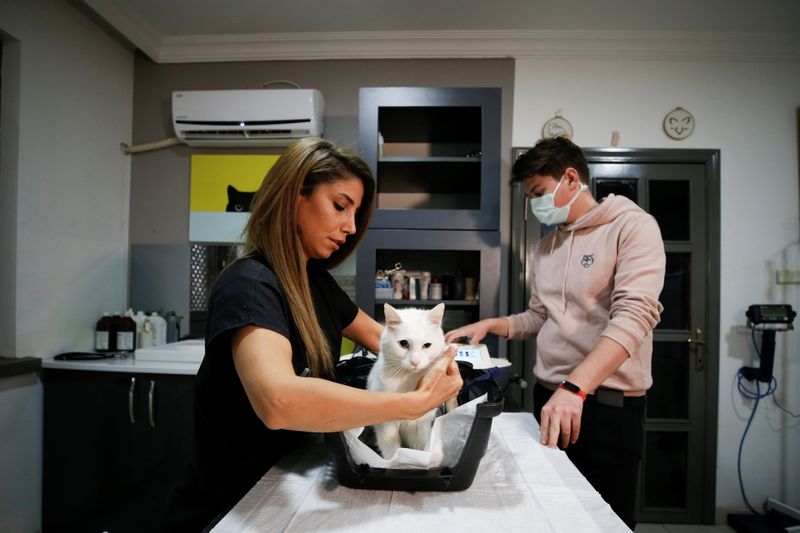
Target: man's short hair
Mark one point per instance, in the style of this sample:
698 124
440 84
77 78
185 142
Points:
551 157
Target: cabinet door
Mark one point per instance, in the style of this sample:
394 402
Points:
87 446
164 444
435 154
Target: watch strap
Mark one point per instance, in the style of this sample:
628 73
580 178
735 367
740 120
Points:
574 389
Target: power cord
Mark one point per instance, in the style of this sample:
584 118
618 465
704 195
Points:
745 373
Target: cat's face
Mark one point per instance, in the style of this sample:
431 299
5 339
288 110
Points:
413 338
238 201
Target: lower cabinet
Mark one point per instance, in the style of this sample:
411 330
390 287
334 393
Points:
114 446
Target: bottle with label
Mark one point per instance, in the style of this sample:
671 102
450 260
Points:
126 334
102 333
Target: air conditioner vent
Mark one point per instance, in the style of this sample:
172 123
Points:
243 117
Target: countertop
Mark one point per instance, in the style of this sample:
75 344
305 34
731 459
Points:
129 365
520 486
17 366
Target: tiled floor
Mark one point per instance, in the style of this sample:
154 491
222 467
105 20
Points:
681 528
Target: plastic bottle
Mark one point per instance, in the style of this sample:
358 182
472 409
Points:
172 327
146 335
139 319
159 325
126 334
102 333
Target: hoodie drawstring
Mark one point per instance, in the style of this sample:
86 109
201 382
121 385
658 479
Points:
566 269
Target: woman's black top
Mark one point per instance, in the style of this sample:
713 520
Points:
233 446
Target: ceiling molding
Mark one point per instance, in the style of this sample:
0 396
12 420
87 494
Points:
686 46
129 23
521 44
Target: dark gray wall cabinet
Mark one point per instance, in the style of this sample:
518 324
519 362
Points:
435 154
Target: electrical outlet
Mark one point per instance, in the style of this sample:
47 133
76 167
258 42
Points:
787 276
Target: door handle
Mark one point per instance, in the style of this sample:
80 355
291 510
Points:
699 339
699 355
131 392
150 404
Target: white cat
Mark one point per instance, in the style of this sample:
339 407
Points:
410 343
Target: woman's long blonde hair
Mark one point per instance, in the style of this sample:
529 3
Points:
271 230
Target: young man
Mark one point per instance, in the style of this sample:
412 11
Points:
594 304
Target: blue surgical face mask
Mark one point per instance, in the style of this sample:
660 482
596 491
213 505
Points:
545 210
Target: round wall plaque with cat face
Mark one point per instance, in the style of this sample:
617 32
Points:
678 124
557 126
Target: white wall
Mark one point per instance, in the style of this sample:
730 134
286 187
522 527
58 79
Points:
72 184
749 113
65 236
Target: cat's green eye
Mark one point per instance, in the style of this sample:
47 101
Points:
426 345
403 343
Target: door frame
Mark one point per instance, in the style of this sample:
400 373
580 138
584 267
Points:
518 299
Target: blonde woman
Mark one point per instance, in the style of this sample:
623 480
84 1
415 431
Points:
275 322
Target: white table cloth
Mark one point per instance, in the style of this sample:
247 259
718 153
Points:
520 486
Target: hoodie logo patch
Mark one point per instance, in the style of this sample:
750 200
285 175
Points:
587 260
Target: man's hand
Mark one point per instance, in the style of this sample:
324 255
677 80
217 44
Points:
561 415
477 331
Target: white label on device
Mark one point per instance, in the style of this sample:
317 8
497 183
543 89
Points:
477 356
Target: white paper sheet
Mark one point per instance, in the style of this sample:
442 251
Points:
448 437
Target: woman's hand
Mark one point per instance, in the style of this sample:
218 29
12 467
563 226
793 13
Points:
561 416
477 331
442 382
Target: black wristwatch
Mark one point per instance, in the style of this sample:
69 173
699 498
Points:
574 389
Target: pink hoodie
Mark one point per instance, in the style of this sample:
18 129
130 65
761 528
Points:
600 275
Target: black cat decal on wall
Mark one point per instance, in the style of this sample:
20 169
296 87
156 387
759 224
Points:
238 201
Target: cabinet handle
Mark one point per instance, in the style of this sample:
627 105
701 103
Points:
150 403
131 392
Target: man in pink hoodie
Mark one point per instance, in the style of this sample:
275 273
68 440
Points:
594 303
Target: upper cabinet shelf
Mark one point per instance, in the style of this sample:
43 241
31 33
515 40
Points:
435 154
410 159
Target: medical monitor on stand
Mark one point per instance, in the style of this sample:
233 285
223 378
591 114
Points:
768 319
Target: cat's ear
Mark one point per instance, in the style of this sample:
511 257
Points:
392 318
435 315
231 189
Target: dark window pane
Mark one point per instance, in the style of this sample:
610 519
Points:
665 469
669 204
627 187
669 396
675 295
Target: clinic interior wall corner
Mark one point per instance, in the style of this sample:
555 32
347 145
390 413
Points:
9 154
72 179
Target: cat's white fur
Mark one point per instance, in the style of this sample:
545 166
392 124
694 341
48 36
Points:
410 343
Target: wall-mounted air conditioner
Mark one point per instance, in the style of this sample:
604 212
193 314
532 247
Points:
249 117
